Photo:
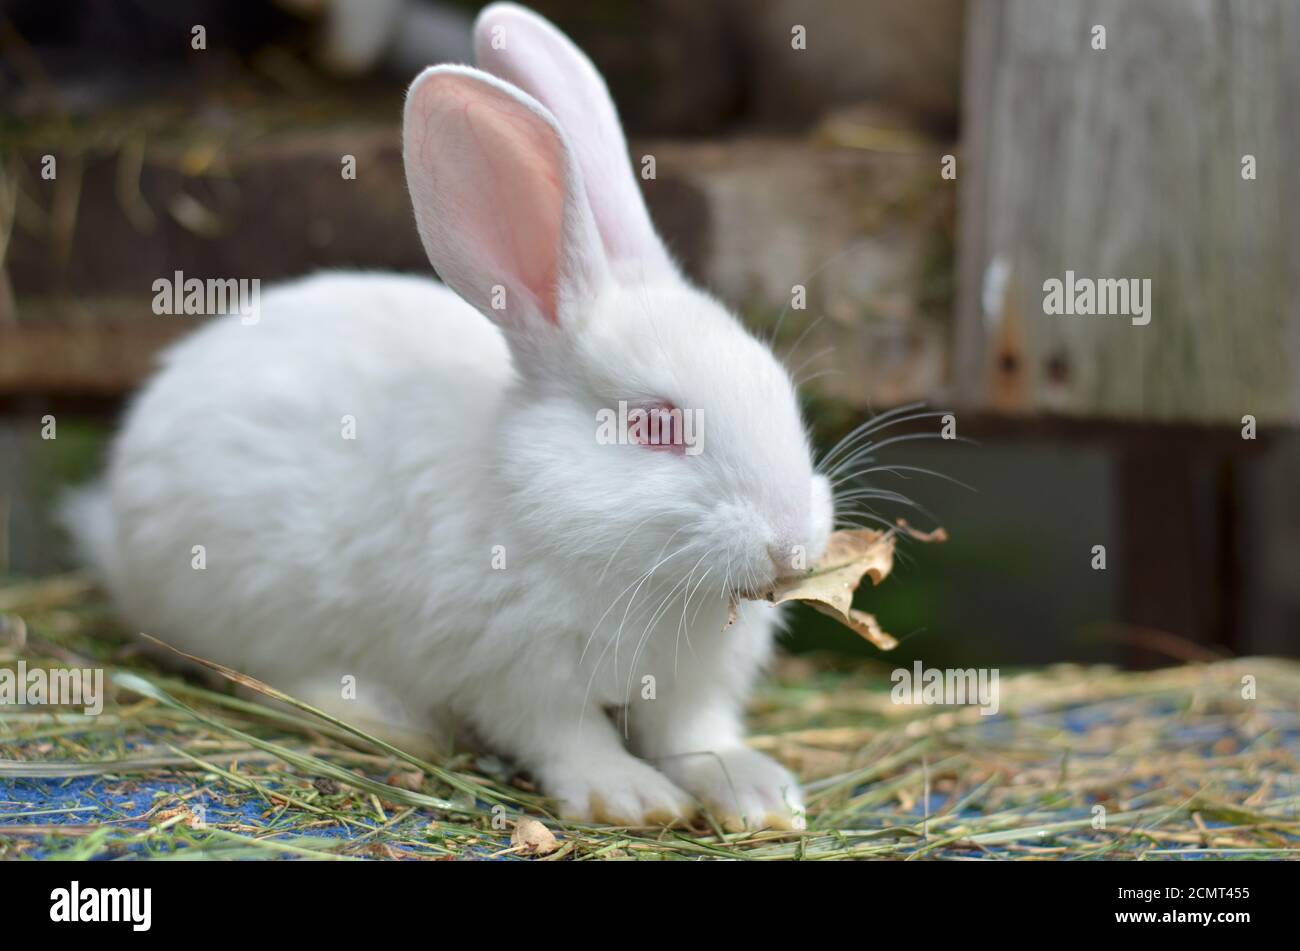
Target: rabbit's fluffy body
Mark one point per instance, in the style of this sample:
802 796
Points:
388 487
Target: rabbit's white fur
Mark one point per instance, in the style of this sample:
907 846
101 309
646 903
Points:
379 557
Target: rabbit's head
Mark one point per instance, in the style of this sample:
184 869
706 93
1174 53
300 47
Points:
648 426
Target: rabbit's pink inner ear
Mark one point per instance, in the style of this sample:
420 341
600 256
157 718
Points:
487 178
524 49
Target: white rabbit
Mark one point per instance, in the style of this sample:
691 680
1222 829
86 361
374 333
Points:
476 555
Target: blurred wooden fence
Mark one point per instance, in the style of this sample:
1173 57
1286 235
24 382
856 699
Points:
1167 156
1108 164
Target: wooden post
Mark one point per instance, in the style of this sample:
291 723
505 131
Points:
1152 141
1132 162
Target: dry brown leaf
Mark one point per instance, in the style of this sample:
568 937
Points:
532 838
850 556
185 814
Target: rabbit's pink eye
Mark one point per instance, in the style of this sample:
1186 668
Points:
658 426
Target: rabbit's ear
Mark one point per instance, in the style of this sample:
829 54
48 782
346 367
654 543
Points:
498 199
526 50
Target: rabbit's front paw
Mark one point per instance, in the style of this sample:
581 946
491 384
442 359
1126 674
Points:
621 791
741 788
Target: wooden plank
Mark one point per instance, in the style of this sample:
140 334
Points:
87 359
1127 163
860 227
1176 542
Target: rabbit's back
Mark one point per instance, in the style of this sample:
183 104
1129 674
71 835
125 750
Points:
288 477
